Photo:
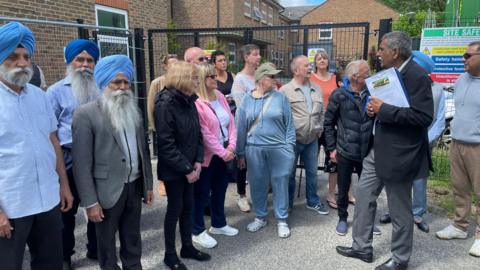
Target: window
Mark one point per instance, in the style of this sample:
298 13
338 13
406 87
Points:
294 30
281 34
270 16
325 33
257 14
232 53
247 10
277 58
264 13
112 42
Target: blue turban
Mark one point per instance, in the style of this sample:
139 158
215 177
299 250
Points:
77 46
424 61
12 36
108 68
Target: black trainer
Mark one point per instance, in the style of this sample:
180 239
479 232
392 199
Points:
190 252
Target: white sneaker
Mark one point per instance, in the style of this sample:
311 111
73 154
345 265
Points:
451 232
225 230
475 250
283 230
243 204
204 240
256 225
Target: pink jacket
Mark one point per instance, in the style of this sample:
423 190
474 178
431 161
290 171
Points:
211 129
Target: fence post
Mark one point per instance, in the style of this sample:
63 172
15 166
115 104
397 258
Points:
82 32
139 51
385 27
151 61
365 41
196 39
247 36
305 41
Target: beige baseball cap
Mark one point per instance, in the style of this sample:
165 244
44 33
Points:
266 69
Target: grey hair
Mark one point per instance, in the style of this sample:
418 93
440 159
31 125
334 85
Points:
401 41
354 67
476 44
247 49
293 64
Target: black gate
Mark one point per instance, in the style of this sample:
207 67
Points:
278 44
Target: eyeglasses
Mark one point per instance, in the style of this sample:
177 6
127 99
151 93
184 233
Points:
213 77
466 56
119 82
202 59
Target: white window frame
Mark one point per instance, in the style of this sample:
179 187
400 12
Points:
270 15
281 34
107 38
232 54
257 13
325 30
247 3
263 10
294 30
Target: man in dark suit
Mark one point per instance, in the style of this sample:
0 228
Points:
400 154
112 166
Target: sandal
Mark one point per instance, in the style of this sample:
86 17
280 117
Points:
283 230
332 204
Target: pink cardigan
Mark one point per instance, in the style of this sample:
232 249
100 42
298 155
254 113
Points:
211 129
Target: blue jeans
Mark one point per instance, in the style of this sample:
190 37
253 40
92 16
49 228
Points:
269 165
419 199
211 187
309 154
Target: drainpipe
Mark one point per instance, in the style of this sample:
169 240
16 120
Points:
218 13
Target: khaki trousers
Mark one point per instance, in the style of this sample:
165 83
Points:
465 174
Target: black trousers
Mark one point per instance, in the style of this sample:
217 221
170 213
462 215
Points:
68 229
124 216
241 176
42 234
179 209
345 169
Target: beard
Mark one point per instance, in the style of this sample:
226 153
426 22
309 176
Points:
16 76
83 85
122 110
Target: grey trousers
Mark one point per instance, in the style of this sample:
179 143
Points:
399 197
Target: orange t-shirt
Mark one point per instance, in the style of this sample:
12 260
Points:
327 87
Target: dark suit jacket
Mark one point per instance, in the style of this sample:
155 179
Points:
99 162
401 134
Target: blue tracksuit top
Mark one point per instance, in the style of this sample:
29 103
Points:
274 128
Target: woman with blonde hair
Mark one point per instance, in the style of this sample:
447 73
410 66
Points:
156 86
180 155
219 142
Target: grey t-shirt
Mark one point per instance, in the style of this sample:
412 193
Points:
241 85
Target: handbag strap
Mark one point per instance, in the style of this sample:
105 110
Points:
259 116
218 119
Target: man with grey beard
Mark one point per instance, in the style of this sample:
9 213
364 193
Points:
77 88
31 161
112 166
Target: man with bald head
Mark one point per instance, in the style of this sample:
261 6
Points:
31 196
77 88
112 166
195 55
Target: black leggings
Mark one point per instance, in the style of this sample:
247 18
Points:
179 208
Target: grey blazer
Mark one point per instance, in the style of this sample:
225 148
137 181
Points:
99 162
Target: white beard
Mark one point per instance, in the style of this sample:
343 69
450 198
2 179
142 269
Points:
122 110
16 76
83 85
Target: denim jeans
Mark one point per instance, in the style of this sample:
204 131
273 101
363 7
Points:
309 154
419 200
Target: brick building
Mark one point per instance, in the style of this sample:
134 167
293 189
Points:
343 11
51 39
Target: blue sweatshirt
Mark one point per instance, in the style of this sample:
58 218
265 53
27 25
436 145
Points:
275 128
465 123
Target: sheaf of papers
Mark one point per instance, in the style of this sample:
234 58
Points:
386 86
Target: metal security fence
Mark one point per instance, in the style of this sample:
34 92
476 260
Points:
278 44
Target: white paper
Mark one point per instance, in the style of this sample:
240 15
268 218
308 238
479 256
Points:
386 86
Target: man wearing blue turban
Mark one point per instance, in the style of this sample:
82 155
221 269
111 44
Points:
112 168
77 88
31 161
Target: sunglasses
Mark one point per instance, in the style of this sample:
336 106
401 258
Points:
213 77
202 59
466 56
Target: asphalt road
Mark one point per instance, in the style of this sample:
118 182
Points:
311 245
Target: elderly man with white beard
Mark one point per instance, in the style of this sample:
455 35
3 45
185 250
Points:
112 168
77 88
31 161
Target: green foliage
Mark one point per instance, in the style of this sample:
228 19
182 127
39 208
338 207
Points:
411 24
441 165
405 6
173 44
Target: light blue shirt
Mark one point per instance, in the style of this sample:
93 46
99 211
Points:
438 125
28 179
223 118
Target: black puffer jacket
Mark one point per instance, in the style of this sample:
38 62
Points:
179 138
347 126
